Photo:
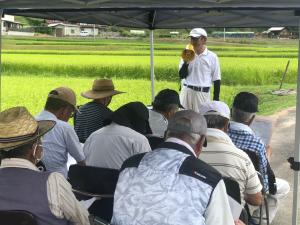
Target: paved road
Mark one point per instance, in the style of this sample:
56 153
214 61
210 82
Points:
282 142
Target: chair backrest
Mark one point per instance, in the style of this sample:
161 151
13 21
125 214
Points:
271 176
17 217
254 158
154 141
232 188
94 180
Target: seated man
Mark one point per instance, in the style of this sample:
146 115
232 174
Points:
170 185
245 105
122 137
62 139
93 114
165 104
222 154
22 186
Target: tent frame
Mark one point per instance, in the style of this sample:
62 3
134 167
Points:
151 22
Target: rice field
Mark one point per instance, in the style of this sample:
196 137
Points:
33 66
32 91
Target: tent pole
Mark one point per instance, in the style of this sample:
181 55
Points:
152 65
1 14
297 141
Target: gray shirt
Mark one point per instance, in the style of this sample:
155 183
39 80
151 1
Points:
111 145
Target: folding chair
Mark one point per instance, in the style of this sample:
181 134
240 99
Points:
17 217
88 182
255 160
233 190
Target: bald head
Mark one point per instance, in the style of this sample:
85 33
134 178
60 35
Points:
188 126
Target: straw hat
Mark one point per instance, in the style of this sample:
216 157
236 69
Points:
18 127
101 89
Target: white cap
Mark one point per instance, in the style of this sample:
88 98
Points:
215 108
198 32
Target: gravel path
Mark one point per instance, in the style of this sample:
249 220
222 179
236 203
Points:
282 143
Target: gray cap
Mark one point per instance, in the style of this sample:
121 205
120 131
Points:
187 121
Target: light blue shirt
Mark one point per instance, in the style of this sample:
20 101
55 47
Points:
57 143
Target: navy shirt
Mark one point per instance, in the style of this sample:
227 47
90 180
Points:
90 119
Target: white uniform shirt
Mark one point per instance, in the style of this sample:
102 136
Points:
203 69
111 145
57 143
158 123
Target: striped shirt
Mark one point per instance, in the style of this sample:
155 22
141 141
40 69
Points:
230 162
90 119
61 199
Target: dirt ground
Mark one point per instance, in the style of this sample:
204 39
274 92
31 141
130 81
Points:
282 143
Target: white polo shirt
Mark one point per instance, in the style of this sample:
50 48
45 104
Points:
203 69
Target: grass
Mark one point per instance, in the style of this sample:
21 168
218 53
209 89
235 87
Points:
32 92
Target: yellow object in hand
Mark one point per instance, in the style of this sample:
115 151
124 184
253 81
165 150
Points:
190 47
187 55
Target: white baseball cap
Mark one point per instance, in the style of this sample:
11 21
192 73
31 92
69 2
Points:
215 108
198 32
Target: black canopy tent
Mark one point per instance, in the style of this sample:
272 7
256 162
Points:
157 14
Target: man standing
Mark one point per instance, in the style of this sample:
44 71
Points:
222 154
199 73
93 113
48 196
62 139
170 185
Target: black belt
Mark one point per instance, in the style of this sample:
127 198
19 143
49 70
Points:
195 88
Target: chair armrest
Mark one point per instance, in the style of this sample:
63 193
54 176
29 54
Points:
88 194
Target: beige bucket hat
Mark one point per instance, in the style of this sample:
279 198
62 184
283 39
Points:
18 127
102 88
65 94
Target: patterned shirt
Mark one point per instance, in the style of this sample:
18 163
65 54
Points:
170 186
244 138
90 119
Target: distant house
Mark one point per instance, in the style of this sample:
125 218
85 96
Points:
234 34
277 32
174 33
91 29
63 29
9 23
138 32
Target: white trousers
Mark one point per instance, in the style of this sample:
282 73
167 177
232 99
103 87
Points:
283 189
191 99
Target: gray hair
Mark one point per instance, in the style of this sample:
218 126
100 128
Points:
216 121
241 116
187 124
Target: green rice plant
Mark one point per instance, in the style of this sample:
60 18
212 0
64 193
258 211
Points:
256 71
